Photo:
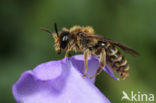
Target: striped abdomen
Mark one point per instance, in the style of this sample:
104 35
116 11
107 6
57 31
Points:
117 61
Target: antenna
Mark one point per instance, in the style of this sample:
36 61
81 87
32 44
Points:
56 30
46 30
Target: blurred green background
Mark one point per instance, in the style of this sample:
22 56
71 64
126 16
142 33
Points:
23 45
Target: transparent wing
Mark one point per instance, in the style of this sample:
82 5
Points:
120 45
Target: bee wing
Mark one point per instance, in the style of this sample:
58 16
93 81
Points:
120 45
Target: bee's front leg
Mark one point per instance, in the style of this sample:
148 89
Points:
102 63
69 48
67 53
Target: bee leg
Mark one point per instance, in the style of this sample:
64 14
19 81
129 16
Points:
67 53
102 63
86 55
68 50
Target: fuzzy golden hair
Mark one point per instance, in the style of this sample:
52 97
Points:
73 31
56 41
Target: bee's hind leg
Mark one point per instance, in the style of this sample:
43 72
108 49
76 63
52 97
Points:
102 63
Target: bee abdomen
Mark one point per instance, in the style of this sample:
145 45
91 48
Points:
117 61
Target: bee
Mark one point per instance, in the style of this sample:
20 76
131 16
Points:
83 39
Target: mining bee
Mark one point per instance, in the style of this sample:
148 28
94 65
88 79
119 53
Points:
83 39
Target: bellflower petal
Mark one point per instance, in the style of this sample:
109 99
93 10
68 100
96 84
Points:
59 82
93 64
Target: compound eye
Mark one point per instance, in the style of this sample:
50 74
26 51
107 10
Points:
64 40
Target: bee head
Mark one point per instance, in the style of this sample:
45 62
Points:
64 39
61 40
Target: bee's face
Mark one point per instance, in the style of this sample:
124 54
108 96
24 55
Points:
64 39
61 41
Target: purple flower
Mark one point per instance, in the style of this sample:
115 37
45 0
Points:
60 82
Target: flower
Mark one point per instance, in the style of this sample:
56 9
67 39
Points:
60 82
